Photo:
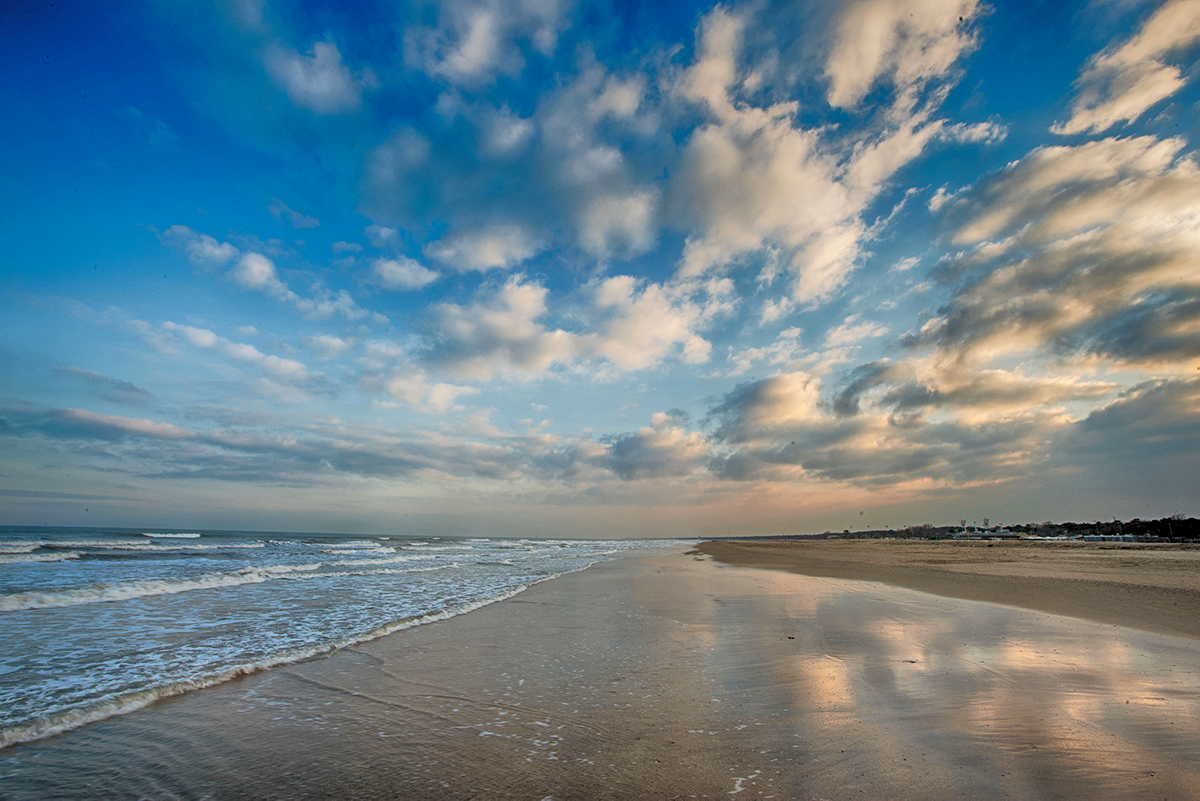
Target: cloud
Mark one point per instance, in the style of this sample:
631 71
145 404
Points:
112 389
639 324
753 181
503 134
852 331
81 422
413 386
280 211
780 429
318 81
1077 251
498 246
346 247
256 272
288 371
474 42
380 236
1123 81
326 347
657 451
911 42
201 249
498 334
401 273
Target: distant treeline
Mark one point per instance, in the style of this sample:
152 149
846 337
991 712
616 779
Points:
1165 529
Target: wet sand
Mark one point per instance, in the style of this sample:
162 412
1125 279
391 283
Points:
672 676
1152 587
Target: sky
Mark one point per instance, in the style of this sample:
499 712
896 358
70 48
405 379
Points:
585 268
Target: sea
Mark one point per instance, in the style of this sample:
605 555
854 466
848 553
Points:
101 622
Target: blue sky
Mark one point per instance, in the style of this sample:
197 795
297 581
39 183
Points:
535 267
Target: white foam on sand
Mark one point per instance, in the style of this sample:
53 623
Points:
125 703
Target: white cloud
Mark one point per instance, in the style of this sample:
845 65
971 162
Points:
1122 82
753 181
640 326
202 250
474 40
497 246
255 271
318 81
278 368
326 347
402 273
852 331
346 247
911 42
198 337
413 387
503 134
614 224
1086 252
499 334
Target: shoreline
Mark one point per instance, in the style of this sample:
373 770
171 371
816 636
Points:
666 676
1148 587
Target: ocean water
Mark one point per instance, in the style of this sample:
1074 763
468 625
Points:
95 623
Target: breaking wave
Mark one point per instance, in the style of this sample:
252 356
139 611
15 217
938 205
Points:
125 703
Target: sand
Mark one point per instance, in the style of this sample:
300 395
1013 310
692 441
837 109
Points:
1152 587
675 676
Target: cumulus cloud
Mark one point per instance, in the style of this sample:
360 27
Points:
909 42
318 81
640 324
201 249
1085 250
656 451
256 272
753 181
473 42
1122 82
414 387
629 323
781 428
498 246
499 334
401 273
326 347
503 134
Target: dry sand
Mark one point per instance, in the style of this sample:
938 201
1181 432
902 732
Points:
675 676
1151 587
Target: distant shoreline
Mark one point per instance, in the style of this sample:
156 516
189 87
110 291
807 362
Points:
1148 587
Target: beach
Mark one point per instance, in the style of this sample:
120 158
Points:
673 675
1155 587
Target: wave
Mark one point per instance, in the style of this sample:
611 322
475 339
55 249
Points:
100 593
131 702
385 561
19 558
182 536
135 545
